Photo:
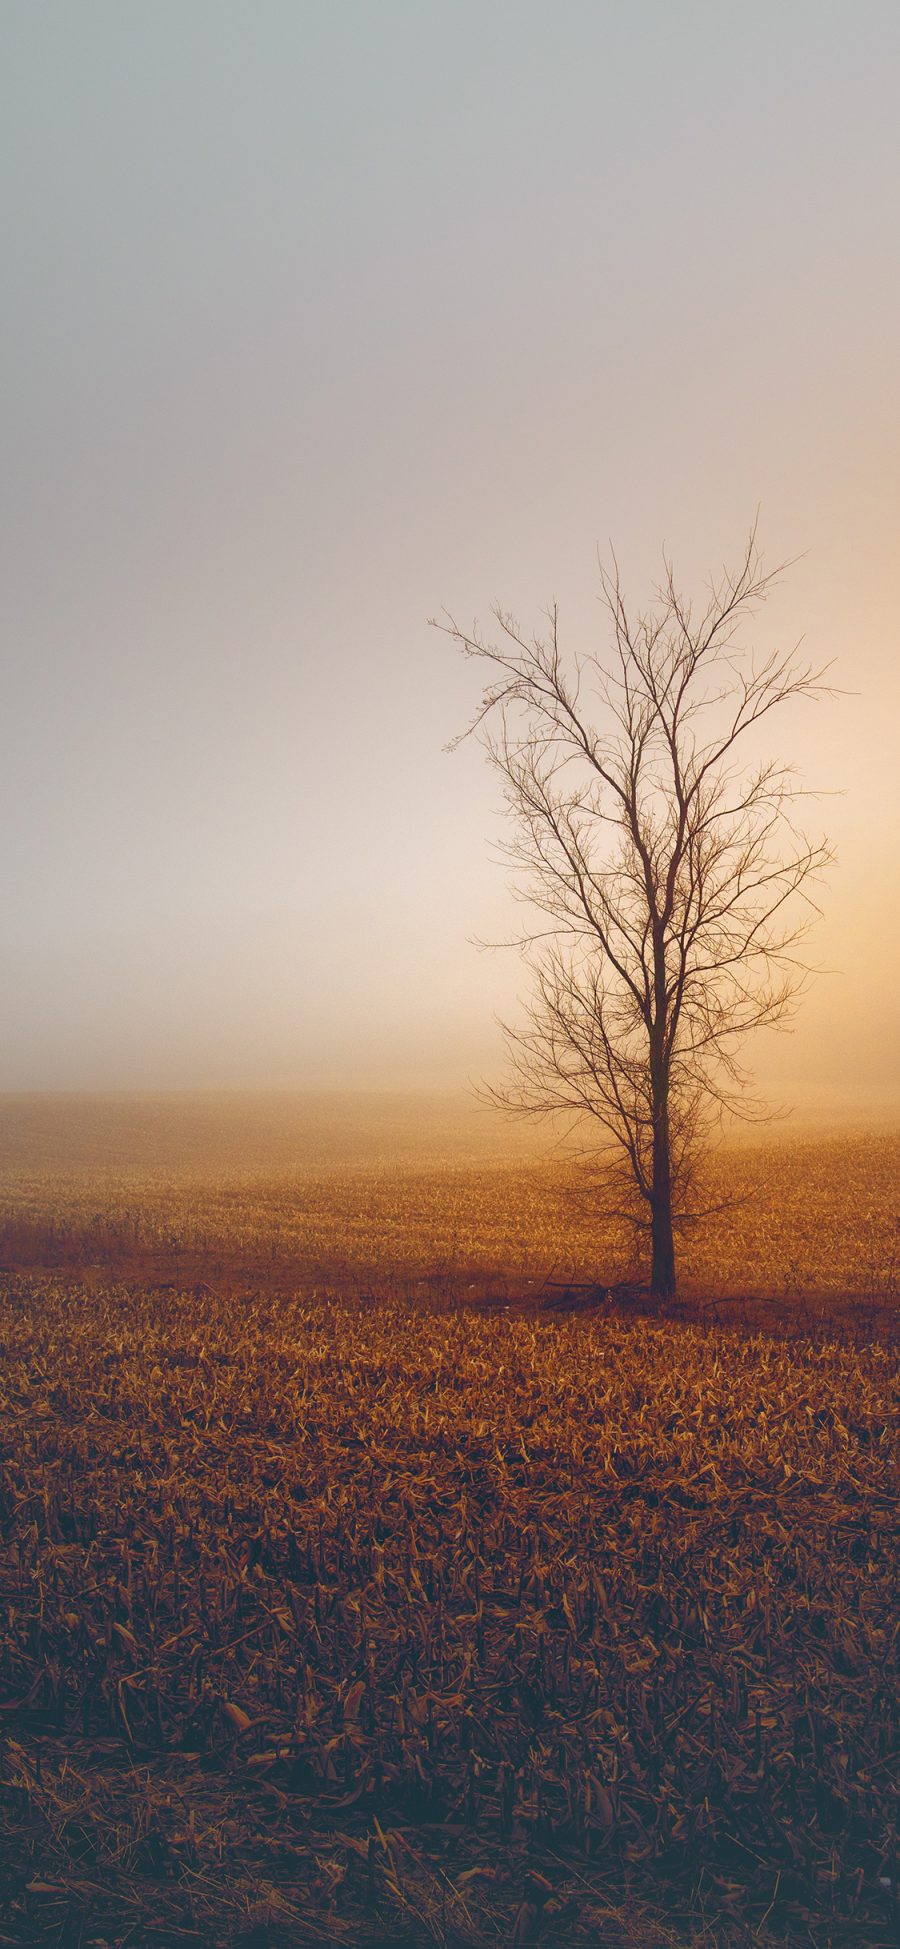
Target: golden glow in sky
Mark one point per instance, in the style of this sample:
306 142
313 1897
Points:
319 318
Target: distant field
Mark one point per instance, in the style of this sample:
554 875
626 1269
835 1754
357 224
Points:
390 1194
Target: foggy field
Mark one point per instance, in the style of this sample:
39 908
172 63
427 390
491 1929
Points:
335 1609
335 1623
430 1200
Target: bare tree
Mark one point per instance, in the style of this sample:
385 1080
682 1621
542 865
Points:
673 883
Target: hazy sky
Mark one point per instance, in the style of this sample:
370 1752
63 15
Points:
319 316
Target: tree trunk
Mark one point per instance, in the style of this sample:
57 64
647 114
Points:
662 1271
662 1268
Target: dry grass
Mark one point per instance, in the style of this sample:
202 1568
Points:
383 1196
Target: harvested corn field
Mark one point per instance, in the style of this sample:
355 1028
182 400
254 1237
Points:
354 1624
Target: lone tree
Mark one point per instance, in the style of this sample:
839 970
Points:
662 852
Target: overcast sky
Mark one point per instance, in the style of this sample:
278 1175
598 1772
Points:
320 316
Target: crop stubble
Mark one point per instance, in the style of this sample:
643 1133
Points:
335 1622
